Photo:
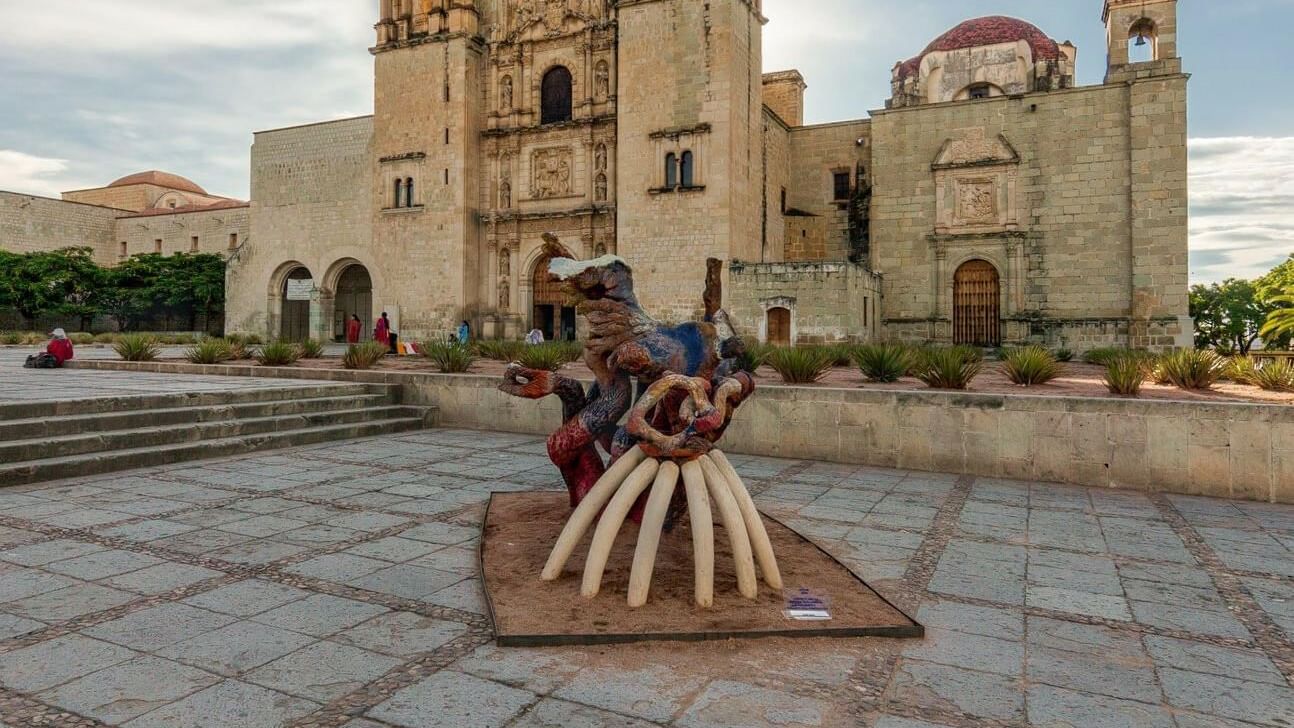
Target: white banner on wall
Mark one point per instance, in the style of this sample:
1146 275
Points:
300 289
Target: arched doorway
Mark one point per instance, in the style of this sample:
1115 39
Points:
551 313
977 304
354 297
298 289
779 326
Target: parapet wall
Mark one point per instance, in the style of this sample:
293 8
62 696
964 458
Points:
1224 450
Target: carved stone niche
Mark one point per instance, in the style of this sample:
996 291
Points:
552 173
976 181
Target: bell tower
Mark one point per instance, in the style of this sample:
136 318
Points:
1141 37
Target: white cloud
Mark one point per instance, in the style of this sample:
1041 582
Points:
20 172
1242 206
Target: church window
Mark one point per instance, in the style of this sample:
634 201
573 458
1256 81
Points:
686 170
398 199
193 244
233 240
157 246
556 94
671 170
123 248
979 91
408 192
840 184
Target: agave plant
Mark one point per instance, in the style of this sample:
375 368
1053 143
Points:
803 365
278 354
449 358
1064 355
883 362
753 356
1030 366
137 347
310 349
500 350
1125 374
1275 376
549 356
364 356
1241 370
1191 369
209 351
842 355
950 368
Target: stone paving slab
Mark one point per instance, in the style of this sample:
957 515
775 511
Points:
312 587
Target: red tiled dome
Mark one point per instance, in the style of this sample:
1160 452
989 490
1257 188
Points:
161 179
989 30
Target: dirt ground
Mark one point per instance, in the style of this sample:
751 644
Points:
1079 380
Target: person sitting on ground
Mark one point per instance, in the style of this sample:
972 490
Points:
535 337
58 351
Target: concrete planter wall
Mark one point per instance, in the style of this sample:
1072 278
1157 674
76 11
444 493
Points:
1229 450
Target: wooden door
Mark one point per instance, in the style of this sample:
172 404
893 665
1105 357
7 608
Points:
977 291
779 326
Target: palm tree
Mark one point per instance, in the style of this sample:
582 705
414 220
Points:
1281 321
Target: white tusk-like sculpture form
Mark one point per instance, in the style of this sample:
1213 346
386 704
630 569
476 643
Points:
759 540
650 533
588 510
609 525
733 523
698 505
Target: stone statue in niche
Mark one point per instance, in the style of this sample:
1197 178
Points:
600 188
976 201
505 295
600 250
505 93
600 158
552 173
602 80
505 264
505 195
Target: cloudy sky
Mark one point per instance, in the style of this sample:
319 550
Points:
96 90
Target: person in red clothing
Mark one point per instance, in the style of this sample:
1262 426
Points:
58 350
353 329
382 330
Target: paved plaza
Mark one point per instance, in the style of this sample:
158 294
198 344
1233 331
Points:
337 585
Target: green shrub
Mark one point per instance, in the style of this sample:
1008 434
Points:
842 355
549 356
10 338
1103 355
106 338
803 365
1191 369
754 356
449 358
81 339
238 347
1064 355
507 351
209 351
32 338
1125 374
178 339
278 354
1241 370
364 356
254 339
310 349
1030 366
1275 376
137 347
884 362
950 368
571 351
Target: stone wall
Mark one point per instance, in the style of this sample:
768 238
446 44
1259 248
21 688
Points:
829 301
818 153
1217 449
211 231
30 224
311 208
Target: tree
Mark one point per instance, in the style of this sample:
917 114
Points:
1274 290
1227 315
36 284
1280 323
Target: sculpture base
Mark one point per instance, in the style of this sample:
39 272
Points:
521 528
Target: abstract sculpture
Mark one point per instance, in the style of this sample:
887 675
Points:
689 386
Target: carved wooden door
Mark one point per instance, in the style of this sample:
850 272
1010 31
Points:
779 327
976 305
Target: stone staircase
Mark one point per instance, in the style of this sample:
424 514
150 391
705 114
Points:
42 441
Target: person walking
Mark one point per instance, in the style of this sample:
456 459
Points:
353 329
464 334
382 330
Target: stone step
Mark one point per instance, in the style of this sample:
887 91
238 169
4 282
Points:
78 444
96 463
54 408
63 425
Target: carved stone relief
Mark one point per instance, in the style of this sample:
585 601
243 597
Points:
975 185
601 80
505 93
976 200
551 170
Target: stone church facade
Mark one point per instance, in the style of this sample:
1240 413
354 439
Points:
992 201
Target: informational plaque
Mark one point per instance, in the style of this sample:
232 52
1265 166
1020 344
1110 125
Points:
299 289
806 605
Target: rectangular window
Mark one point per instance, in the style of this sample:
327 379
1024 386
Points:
840 183
865 318
193 244
446 176
157 245
783 200
233 240
446 136
123 248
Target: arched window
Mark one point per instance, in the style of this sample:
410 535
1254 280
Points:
398 198
1143 41
556 93
686 173
408 192
671 170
